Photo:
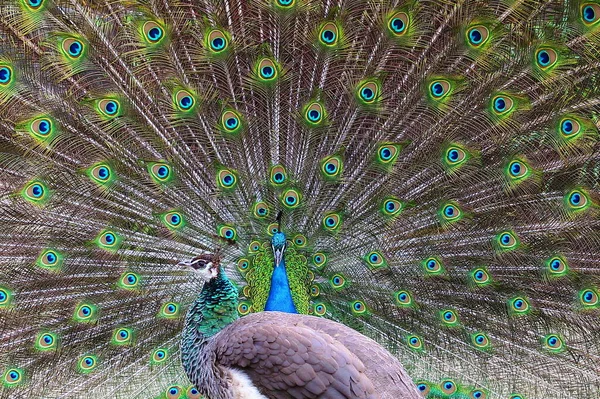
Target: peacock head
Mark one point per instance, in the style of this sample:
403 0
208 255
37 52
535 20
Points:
278 244
206 265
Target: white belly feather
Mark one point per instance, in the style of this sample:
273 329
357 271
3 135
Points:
242 386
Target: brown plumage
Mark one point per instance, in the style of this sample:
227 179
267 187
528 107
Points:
300 356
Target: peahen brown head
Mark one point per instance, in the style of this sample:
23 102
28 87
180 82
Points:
206 265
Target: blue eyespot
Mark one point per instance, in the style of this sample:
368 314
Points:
515 168
567 126
543 58
475 36
109 238
173 391
374 258
131 279
37 190
449 211
51 257
453 155
186 102
448 385
314 115
85 310
88 361
328 36
175 219
437 89
397 25
589 14
278 177
163 172
35 3
330 222
123 334
75 48
111 107
519 303
448 316
228 179
575 198
330 167
500 104
385 153
367 93
431 264
267 71
337 280
218 43
155 34
290 200
505 239
5 75
421 387
390 206
231 123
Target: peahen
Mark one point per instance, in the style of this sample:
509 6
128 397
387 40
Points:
280 355
436 164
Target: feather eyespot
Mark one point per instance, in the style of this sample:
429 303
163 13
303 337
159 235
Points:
285 3
590 13
231 121
108 240
368 92
375 260
480 340
50 259
478 394
332 222
73 48
439 89
244 308
546 58
193 393
87 363
35 4
122 336
403 298
267 70
518 306
517 169
387 154
414 342
589 298
329 34
516 396
160 172
478 35
331 167
85 313
170 310
449 317
174 392
174 220
502 104
13 376
507 241
480 277
299 240
35 192
358 307
159 356
184 100
455 156
338 281
254 247
320 309
398 23
577 200
319 259
433 266
226 179
291 198
314 290
153 32
217 41
569 127
261 210
448 387
5 75
553 343
109 107
227 232
5 297
46 342
130 280
314 113
423 388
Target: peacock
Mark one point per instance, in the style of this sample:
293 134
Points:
422 173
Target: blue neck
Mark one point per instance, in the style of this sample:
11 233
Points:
280 296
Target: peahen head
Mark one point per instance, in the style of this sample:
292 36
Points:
205 265
278 244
